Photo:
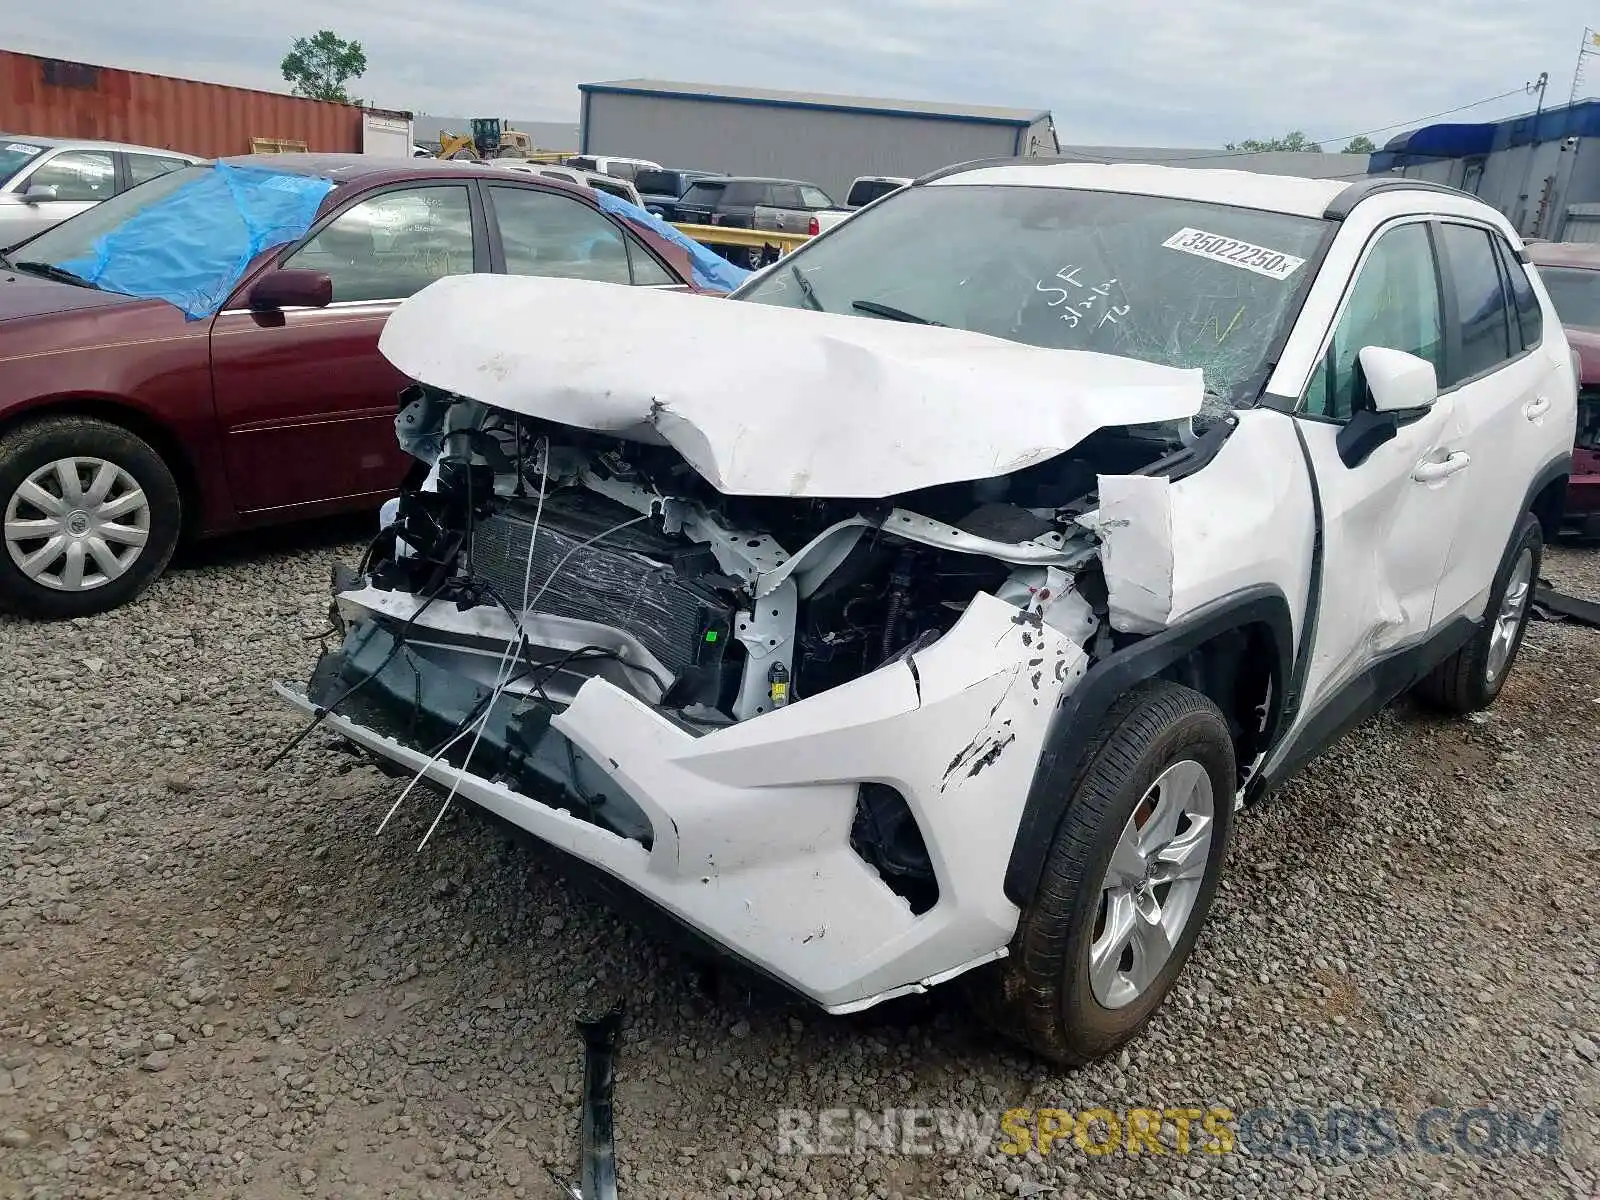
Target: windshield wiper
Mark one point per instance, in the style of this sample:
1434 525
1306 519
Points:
51 271
806 290
892 313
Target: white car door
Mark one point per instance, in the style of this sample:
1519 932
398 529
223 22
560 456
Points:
1505 394
1390 511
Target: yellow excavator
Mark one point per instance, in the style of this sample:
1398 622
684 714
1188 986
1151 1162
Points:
490 139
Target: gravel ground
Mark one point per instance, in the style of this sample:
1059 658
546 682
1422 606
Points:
219 982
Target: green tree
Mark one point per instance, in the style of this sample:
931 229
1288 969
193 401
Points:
320 66
1360 145
1289 141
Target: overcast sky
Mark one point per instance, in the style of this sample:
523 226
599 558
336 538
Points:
1132 72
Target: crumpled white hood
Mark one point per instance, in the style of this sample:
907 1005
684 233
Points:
770 401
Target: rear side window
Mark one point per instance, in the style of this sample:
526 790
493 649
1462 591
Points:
749 194
142 167
704 195
621 170
785 195
1529 316
865 191
1481 313
659 183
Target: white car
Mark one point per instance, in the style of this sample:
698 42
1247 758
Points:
906 616
612 165
593 180
45 180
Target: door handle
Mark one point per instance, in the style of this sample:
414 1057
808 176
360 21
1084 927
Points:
1536 408
1432 472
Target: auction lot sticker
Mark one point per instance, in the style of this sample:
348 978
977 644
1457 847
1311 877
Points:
1274 264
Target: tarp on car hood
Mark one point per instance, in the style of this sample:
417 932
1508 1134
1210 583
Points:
711 270
192 247
769 401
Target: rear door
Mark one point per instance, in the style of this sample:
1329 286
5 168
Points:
1503 389
306 402
1389 518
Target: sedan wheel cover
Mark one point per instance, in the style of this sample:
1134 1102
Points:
1151 885
1513 608
77 524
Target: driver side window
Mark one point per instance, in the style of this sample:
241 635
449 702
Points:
1394 303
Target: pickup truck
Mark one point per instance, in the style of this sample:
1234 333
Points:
745 202
863 191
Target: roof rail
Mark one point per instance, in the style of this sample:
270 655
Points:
1353 195
973 165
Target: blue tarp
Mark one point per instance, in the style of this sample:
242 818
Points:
711 270
192 247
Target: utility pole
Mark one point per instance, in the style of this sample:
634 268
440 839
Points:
1538 85
1589 45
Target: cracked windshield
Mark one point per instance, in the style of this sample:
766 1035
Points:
1167 281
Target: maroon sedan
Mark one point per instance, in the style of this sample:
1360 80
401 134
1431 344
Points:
1571 274
126 424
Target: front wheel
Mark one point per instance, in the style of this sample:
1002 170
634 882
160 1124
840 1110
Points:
92 516
1127 883
1471 678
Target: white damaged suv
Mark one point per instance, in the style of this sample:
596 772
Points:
931 605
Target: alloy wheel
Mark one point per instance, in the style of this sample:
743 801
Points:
1513 608
1151 884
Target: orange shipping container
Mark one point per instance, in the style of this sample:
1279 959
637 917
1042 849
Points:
56 98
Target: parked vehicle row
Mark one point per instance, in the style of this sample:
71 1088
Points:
1272 452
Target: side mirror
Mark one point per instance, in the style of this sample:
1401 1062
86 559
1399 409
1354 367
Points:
1399 382
39 191
292 288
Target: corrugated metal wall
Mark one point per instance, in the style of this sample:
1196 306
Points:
54 98
817 146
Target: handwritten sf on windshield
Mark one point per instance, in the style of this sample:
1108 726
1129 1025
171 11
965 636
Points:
1075 310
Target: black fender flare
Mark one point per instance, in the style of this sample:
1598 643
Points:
1557 468
1080 712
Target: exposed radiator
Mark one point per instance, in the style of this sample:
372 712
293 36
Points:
625 580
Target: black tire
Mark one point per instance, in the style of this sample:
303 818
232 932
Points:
37 444
1041 994
1464 682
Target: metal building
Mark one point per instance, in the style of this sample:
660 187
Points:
1542 170
822 139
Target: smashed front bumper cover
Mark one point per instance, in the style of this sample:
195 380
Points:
743 831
